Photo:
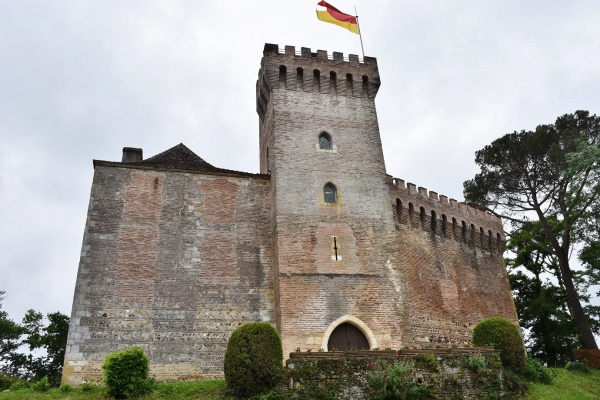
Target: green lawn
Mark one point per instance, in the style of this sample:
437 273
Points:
566 386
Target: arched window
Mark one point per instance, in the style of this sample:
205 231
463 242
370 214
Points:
324 141
444 225
330 194
422 218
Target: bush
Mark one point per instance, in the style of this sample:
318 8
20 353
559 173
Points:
86 387
536 372
505 338
42 385
578 366
18 385
253 360
6 381
126 374
65 388
397 382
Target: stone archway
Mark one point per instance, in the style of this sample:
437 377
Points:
347 333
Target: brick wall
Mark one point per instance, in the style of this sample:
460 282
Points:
172 262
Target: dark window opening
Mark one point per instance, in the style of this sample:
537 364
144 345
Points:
333 82
330 194
422 217
300 78
365 85
282 76
433 222
399 210
317 80
349 88
444 225
324 141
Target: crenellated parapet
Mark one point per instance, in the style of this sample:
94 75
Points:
315 72
418 207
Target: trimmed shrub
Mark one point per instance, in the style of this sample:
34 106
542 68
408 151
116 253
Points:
253 360
505 338
126 374
65 388
536 372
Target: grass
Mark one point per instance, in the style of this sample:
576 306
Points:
565 386
198 390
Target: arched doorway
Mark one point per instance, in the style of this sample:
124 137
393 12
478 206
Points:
347 337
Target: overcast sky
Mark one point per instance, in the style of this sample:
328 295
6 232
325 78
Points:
79 80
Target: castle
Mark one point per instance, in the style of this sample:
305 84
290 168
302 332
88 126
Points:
322 243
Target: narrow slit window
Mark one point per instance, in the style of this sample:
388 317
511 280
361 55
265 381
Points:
349 83
330 194
335 247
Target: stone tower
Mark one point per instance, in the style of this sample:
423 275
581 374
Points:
319 140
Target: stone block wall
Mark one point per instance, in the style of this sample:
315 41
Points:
172 262
445 376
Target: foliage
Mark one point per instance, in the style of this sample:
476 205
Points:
553 175
42 385
19 385
65 388
86 387
10 333
541 303
253 359
477 363
536 372
578 366
6 381
126 374
505 338
50 339
397 382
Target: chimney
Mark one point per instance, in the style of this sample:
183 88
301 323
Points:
131 154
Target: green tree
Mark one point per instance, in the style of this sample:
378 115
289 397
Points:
549 174
549 329
52 339
10 334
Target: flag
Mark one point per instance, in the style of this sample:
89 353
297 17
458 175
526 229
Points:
335 16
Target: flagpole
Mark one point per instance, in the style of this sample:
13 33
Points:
359 33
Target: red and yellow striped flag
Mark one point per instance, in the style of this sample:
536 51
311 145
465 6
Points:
335 16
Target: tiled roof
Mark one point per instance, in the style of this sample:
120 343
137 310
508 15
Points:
179 157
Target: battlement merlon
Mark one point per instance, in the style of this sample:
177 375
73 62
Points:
443 205
316 72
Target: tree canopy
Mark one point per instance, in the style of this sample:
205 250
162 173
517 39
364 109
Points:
550 175
36 334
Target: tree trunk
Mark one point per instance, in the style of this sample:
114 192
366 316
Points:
574 304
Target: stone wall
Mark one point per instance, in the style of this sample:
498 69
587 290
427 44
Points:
172 262
444 376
